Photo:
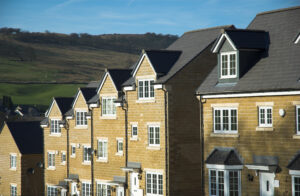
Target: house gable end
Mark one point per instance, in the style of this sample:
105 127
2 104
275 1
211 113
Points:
144 67
108 86
54 110
80 101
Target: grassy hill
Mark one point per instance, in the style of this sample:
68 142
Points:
61 58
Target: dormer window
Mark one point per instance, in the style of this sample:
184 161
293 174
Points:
146 89
228 65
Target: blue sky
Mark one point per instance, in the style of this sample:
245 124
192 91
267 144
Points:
131 16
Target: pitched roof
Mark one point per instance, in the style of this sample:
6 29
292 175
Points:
279 69
93 84
88 93
119 76
28 136
224 156
294 164
180 53
247 39
64 103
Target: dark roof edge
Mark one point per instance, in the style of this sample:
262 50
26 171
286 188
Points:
278 10
210 28
240 92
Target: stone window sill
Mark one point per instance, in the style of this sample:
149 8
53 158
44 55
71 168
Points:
134 139
86 163
296 136
153 148
145 101
81 127
235 135
55 134
108 117
265 129
50 168
119 154
13 169
102 160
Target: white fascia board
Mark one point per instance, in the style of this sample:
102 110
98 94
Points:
263 94
140 62
69 117
61 126
88 117
158 86
294 172
118 104
297 40
224 35
258 167
215 166
44 126
128 88
94 105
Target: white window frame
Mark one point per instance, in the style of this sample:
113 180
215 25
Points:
52 162
81 122
141 89
293 183
226 181
63 157
132 127
229 131
13 190
52 188
104 156
228 64
108 191
55 130
120 144
87 189
104 111
86 154
298 119
154 135
13 161
265 108
157 174
73 154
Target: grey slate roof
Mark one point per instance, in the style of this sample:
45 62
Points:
183 51
64 103
88 93
28 136
265 160
224 156
294 164
93 84
94 99
119 76
279 69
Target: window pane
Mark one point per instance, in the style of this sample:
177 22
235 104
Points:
221 183
298 113
297 185
151 88
160 184
269 116
233 183
146 89
157 135
154 182
233 120
224 65
134 130
232 65
148 181
141 89
213 182
262 116
151 135
225 120
217 120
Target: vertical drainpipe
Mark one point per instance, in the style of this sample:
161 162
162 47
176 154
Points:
92 152
125 108
68 148
202 146
166 139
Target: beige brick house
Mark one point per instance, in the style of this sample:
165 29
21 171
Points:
21 158
250 106
163 116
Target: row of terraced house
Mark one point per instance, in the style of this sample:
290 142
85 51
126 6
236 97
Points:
216 113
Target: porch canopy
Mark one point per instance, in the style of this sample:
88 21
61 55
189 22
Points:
132 166
294 165
264 163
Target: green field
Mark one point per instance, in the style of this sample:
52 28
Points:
37 94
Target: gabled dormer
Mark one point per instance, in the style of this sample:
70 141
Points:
151 66
238 50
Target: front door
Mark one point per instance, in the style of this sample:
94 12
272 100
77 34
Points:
134 184
267 184
120 191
